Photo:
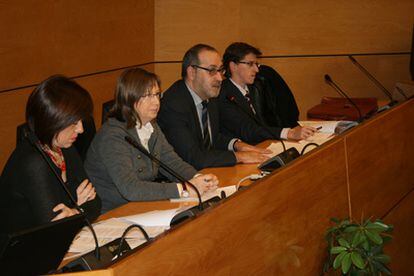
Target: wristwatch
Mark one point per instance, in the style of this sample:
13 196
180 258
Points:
185 194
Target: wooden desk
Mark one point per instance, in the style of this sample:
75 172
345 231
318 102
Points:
276 227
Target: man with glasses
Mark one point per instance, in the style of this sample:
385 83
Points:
238 97
189 115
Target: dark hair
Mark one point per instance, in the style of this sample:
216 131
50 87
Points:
132 84
236 52
55 104
191 57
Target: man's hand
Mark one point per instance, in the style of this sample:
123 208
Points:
250 157
301 133
242 146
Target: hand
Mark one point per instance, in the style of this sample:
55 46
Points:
85 192
204 183
249 157
301 133
242 146
64 211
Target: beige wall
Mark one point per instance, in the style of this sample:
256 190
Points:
40 38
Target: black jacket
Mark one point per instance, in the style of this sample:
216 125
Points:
29 190
235 121
179 122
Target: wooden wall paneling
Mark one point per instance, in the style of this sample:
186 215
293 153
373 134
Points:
12 110
377 184
326 27
305 76
275 227
182 24
72 37
401 247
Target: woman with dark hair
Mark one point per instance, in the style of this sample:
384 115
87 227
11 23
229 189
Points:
31 194
120 172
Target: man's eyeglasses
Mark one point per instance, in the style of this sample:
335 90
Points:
211 71
250 63
151 96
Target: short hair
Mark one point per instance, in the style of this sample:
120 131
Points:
55 104
236 52
132 84
191 57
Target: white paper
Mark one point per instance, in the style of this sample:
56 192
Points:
109 230
327 126
229 190
154 218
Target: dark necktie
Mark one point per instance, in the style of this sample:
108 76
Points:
204 121
249 101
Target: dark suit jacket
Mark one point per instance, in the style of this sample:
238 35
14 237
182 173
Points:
179 121
29 190
274 101
237 123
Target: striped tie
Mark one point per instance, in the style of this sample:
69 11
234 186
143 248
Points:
204 120
249 101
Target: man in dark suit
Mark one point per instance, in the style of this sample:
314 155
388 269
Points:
189 115
238 97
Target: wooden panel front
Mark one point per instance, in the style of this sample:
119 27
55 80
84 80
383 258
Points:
401 247
380 152
276 226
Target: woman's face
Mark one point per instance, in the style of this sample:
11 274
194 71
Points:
66 137
148 105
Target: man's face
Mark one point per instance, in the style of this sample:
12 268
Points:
207 84
245 71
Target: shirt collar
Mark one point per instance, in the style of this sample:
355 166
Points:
244 90
196 98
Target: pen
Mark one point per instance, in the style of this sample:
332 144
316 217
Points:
319 127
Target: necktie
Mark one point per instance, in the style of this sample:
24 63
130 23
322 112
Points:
249 101
204 120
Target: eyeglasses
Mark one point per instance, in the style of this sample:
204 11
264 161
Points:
211 71
250 63
152 96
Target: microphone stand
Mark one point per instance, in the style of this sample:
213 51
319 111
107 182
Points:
136 145
343 94
373 79
34 141
234 102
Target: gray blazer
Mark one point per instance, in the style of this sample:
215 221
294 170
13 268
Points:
121 173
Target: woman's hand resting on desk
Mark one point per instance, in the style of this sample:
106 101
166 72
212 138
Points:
204 183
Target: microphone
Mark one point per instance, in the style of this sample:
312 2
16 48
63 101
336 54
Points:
35 142
373 79
277 161
88 261
233 100
343 94
136 145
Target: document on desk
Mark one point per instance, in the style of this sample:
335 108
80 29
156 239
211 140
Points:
228 190
331 127
160 218
318 138
109 230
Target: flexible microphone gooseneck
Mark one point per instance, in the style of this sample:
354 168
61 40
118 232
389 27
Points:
232 99
343 94
136 145
35 142
373 79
